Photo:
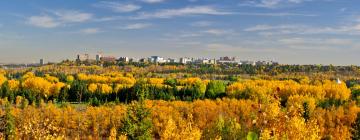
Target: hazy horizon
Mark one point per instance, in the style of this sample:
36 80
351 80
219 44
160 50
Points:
287 31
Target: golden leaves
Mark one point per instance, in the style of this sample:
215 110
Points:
92 87
14 85
70 78
102 88
156 81
105 89
43 86
285 89
38 85
336 91
28 75
235 88
55 88
51 78
189 120
3 79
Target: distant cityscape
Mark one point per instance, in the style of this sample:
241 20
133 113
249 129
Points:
100 59
181 60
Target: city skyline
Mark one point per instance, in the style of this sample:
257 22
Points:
287 31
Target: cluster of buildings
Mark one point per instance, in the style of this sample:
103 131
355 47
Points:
22 65
98 58
182 60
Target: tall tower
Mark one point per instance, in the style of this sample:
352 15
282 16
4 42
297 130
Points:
98 56
41 62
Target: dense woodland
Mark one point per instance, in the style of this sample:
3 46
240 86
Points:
180 102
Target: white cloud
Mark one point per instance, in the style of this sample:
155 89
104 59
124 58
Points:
90 31
58 18
217 32
43 21
215 47
136 26
268 3
68 16
186 11
272 3
118 7
186 35
109 18
153 1
259 28
202 33
303 29
282 14
303 41
316 43
228 48
356 27
343 9
265 27
201 24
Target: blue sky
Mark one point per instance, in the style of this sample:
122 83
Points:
288 31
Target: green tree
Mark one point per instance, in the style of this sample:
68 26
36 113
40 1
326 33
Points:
356 128
227 129
306 114
137 124
215 89
252 136
10 124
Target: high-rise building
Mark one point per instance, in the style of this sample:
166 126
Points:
156 59
82 57
185 60
41 62
108 58
227 60
98 57
124 59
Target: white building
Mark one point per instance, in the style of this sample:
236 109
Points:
98 57
185 60
171 60
247 62
82 57
124 59
205 61
156 59
227 60
266 63
136 60
41 61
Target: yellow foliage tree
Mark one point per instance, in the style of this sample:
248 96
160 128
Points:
38 85
92 88
105 89
70 78
156 81
2 79
14 85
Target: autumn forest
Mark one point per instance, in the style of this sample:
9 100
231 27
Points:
208 102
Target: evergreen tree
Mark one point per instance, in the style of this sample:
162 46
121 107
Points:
10 124
356 128
137 124
215 89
